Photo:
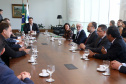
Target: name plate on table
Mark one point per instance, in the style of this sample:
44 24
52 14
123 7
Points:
70 66
44 44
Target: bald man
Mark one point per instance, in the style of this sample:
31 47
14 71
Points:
80 37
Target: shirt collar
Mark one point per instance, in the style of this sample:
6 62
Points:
92 32
79 31
103 36
113 41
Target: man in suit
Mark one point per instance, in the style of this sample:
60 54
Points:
93 34
80 37
117 50
13 42
6 31
32 27
7 75
1 17
119 66
100 42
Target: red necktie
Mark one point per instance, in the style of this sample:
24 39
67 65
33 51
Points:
87 38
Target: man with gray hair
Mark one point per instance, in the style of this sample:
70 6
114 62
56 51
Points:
80 37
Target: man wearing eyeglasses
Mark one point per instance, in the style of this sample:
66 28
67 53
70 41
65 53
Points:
100 42
91 28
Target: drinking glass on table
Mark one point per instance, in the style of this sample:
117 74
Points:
34 48
46 31
73 46
34 63
86 53
59 41
50 70
106 65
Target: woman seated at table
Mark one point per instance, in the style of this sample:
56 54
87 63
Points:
68 32
124 30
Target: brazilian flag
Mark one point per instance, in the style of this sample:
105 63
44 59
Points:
23 17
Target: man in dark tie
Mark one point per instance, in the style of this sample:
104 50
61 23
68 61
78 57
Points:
31 27
119 66
91 28
117 50
80 37
1 17
100 42
7 75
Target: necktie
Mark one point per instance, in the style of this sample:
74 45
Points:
99 42
77 35
87 38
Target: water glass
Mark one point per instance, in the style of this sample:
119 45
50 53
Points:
59 41
50 70
106 65
86 53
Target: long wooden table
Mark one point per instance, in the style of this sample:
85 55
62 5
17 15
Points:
60 55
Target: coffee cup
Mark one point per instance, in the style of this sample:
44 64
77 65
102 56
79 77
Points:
32 59
84 56
101 67
44 71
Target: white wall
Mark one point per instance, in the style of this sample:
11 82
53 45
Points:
123 10
43 11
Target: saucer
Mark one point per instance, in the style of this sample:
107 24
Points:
44 75
98 69
86 59
35 51
74 51
34 63
70 49
82 58
32 38
106 74
34 55
30 61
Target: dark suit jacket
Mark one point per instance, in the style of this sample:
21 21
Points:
11 42
96 46
92 38
81 38
117 51
122 69
10 53
26 27
1 18
7 76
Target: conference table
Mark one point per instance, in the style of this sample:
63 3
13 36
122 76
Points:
52 53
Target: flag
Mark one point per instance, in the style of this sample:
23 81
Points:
26 14
23 17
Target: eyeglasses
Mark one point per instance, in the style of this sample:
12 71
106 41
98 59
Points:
78 26
99 31
89 26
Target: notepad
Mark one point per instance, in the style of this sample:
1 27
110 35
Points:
70 66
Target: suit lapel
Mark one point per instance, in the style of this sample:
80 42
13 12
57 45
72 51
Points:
99 43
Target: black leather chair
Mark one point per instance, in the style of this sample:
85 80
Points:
60 30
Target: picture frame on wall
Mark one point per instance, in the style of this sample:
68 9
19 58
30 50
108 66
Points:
17 10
